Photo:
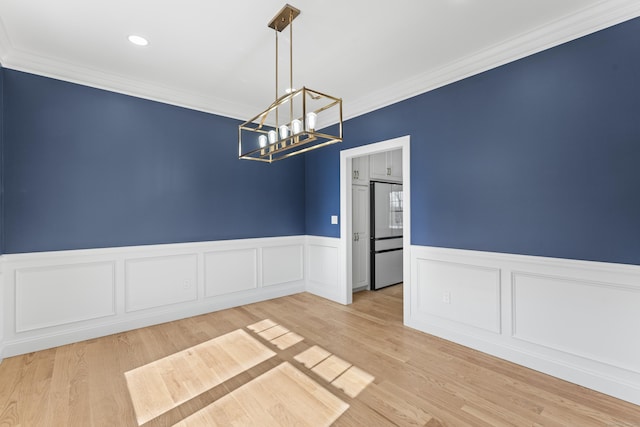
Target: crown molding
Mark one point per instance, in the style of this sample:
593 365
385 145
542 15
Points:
589 20
5 43
574 26
20 60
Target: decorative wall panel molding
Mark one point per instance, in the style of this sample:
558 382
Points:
157 281
60 294
576 320
55 298
230 271
323 266
282 264
604 311
461 293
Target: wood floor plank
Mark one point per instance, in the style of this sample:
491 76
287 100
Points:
330 368
396 407
405 407
312 356
273 332
261 325
33 381
105 390
287 340
353 381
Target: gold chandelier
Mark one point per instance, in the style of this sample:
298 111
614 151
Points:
295 122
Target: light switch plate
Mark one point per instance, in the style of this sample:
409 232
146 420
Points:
334 219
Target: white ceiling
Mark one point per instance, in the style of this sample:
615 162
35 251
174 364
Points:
218 56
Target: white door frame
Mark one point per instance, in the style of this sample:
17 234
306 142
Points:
346 174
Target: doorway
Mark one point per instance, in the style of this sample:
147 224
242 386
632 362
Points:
376 221
346 212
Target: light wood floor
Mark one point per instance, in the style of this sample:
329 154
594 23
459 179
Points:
417 379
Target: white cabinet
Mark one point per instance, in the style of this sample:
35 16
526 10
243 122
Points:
360 236
386 166
360 170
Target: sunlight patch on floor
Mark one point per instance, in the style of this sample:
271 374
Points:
278 335
283 396
340 373
162 385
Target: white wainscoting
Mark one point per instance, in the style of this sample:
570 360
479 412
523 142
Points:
63 294
54 298
230 271
1 307
472 292
323 267
282 264
576 320
160 281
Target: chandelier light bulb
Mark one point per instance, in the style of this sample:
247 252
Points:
273 137
284 132
262 140
296 127
312 119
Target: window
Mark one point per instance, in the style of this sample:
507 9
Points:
395 209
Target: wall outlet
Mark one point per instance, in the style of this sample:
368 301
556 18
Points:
446 297
186 284
334 219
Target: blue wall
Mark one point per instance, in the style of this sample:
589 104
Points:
322 196
540 156
535 157
87 168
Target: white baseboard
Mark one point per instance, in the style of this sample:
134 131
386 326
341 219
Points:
55 298
575 320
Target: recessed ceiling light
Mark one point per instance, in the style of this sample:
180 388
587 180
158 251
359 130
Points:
138 40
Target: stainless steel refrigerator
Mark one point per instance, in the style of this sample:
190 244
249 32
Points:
386 234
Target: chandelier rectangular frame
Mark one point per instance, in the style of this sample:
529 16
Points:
301 136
